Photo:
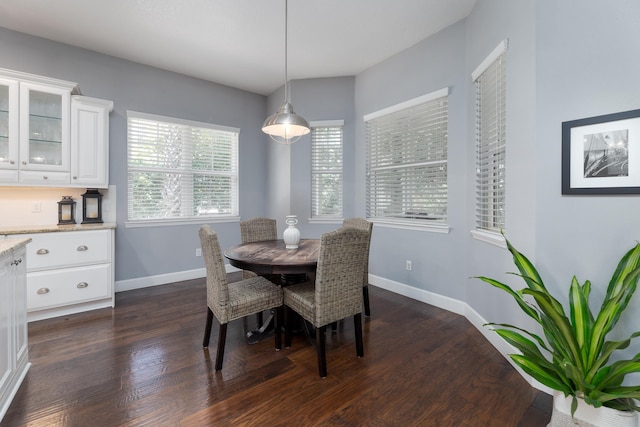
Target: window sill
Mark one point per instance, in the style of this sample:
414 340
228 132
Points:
432 228
489 237
180 221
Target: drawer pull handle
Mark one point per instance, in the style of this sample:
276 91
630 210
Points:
43 291
82 285
82 248
42 251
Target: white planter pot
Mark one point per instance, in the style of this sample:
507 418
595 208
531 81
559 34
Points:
587 415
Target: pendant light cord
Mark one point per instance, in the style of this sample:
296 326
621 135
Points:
286 91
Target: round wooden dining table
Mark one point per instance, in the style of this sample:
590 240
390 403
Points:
271 257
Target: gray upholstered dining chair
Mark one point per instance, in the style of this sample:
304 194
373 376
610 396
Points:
230 301
337 291
363 224
257 230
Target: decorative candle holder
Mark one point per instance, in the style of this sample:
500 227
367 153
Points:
291 234
66 211
92 207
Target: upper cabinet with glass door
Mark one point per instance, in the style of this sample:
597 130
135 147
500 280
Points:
44 133
34 129
8 129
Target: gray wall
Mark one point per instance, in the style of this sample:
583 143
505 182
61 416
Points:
313 99
428 66
587 65
151 251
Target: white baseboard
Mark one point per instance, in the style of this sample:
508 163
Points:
431 298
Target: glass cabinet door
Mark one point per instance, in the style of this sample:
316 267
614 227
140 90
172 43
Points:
8 124
44 128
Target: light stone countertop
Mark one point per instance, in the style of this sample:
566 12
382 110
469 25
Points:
29 229
6 245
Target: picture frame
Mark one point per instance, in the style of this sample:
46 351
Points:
601 155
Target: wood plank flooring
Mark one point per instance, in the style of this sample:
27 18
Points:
142 364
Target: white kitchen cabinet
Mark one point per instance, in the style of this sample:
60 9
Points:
90 141
14 351
49 135
69 272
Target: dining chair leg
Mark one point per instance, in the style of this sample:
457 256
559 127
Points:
320 344
222 337
287 327
365 298
207 328
259 319
277 325
357 325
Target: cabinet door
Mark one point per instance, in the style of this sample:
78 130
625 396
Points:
9 123
7 354
44 127
90 141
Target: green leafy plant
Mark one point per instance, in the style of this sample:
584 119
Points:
574 356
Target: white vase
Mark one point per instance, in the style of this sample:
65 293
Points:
291 234
587 415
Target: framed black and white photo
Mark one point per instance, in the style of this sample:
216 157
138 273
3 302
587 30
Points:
601 155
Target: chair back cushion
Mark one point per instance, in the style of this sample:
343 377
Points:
362 224
338 286
217 285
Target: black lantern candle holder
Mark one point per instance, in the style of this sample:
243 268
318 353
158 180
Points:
92 207
66 211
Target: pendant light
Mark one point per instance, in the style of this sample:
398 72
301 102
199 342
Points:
285 126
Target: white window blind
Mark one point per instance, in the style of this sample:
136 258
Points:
490 109
407 161
326 169
180 169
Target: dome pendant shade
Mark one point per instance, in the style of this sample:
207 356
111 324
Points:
285 126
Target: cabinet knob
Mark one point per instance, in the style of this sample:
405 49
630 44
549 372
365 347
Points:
12 162
45 177
75 177
82 248
43 291
42 251
82 285
24 163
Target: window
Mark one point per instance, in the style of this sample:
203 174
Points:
326 169
490 141
407 162
180 170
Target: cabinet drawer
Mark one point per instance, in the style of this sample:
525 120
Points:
61 249
47 289
45 178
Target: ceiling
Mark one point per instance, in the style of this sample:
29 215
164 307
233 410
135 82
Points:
239 43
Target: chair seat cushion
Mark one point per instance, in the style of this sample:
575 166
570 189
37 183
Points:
251 296
301 298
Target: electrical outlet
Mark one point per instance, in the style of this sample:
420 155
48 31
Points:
198 251
408 265
36 207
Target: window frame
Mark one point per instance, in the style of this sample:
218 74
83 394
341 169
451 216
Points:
186 125
494 193
406 222
317 171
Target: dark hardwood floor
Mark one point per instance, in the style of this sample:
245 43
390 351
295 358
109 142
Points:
142 364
